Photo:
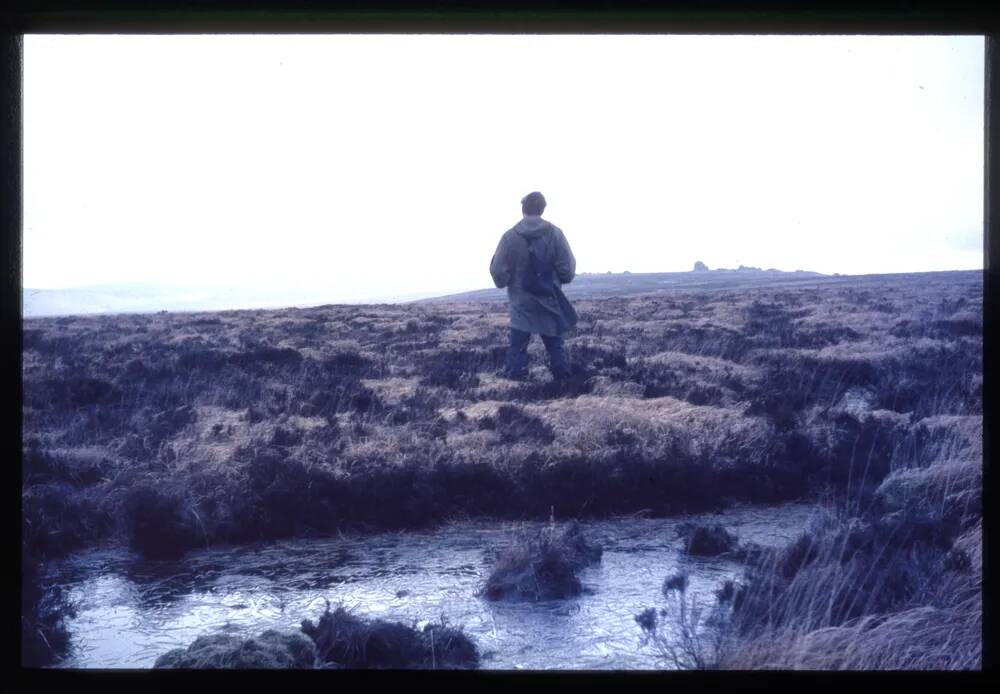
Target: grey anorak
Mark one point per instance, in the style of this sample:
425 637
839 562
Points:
549 315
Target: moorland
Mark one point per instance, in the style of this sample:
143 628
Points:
171 431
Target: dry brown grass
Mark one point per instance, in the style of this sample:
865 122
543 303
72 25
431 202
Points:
921 638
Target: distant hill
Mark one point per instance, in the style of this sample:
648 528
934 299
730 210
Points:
140 298
597 286
147 298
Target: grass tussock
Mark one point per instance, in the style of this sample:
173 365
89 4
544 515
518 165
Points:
707 540
541 565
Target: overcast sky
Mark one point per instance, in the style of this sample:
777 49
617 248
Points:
377 165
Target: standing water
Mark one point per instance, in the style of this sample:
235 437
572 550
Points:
130 611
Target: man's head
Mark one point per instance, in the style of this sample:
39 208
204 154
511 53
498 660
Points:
533 203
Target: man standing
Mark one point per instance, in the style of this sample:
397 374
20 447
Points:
532 260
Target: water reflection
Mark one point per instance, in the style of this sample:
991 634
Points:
131 611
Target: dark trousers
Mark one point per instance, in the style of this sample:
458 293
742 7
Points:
517 354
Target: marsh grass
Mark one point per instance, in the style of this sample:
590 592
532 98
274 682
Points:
901 603
897 588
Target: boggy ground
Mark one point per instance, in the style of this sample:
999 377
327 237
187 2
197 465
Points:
172 431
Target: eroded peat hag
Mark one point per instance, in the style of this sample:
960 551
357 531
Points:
170 432
173 431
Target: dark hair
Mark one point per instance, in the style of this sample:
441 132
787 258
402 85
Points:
533 203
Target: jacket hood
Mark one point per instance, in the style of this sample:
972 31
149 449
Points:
532 226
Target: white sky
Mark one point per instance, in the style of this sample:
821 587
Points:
367 165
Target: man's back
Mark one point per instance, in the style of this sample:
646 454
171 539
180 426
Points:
532 309
510 264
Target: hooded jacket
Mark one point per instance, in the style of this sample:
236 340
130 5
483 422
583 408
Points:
550 315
